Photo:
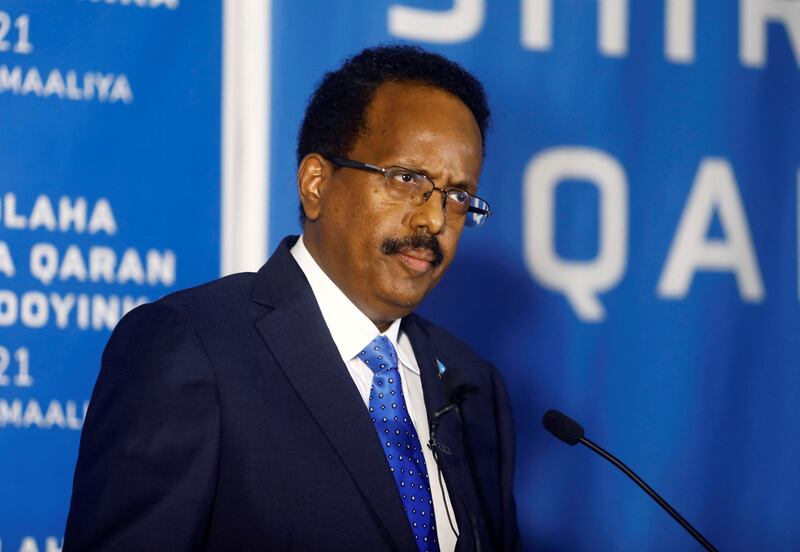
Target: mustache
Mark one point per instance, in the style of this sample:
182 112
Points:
392 246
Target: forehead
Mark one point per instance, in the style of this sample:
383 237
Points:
410 122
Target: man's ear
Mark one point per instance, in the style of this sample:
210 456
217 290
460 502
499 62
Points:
312 176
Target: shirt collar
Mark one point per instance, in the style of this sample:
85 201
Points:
350 328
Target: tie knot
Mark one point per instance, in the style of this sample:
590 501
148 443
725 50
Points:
379 354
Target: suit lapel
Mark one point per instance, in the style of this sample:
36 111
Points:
296 334
437 392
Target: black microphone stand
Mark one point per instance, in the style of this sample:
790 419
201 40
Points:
654 495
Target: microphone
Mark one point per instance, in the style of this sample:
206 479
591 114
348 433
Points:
571 432
563 427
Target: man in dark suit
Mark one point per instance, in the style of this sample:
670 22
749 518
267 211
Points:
306 407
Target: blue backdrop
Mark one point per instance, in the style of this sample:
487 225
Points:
644 172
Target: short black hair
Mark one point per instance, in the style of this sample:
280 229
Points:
336 112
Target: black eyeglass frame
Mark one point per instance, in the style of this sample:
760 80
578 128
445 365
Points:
351 164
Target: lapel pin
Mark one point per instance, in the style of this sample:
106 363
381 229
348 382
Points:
441 367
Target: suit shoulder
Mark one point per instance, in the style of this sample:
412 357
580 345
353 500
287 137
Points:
228 293
450 345
235 287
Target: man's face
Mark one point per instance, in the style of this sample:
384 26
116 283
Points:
379 251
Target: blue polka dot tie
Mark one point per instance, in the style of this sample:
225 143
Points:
387 408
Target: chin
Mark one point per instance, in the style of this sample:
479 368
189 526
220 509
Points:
401 304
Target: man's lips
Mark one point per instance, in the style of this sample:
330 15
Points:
420 252
417 260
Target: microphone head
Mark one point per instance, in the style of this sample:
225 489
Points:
563 427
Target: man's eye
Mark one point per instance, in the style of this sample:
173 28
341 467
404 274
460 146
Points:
459 196
406 177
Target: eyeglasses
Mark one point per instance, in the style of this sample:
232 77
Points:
415 188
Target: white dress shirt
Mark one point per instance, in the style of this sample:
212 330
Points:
352 331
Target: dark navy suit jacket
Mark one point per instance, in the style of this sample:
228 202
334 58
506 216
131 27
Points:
223 418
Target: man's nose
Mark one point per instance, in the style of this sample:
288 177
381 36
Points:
431 214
